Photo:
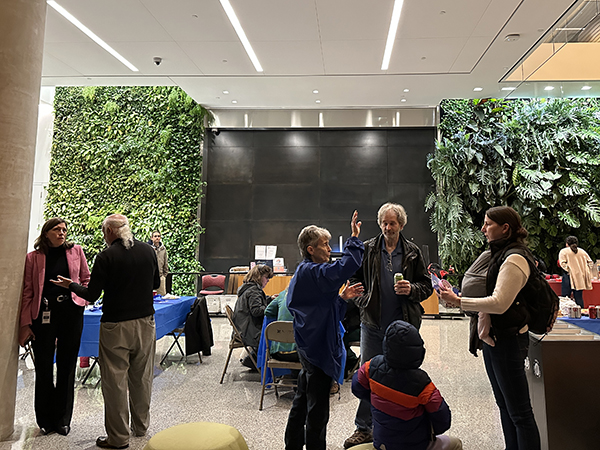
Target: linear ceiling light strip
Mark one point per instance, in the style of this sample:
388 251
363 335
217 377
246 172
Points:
241 34
67 15
389 45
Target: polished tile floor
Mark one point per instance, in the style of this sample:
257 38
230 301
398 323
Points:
190 391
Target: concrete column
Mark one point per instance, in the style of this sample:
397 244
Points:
22 24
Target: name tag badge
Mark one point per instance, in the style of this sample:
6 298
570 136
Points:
45 317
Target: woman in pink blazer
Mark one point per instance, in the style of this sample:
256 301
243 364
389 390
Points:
52 319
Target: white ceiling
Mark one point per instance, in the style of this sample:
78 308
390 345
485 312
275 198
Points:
444 48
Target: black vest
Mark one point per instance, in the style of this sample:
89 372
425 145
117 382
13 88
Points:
516 316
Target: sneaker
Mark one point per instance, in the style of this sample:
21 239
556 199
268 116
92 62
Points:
358 437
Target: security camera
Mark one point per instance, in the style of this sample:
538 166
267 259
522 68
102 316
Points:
157 60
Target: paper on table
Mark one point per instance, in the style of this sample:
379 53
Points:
260 252
271 251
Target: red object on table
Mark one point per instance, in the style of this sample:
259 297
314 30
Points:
589 297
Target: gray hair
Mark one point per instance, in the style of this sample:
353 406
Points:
309 236
396 208
120 226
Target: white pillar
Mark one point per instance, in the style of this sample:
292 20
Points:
22 24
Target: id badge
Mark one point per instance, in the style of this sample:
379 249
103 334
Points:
45 317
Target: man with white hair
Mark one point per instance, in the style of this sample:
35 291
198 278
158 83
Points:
386 300
127 272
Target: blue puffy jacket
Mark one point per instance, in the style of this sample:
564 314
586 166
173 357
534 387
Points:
407 408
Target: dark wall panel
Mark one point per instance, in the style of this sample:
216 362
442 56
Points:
353 165
229 165
264 186
290 165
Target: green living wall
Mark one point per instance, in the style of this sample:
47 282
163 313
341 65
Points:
542 157
134 151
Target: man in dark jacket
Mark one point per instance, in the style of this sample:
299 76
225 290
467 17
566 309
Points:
384 300
127 272
406 405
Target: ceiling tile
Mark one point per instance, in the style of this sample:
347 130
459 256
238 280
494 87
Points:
353 57
290 57
219 58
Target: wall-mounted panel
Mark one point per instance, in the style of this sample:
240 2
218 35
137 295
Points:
229 165
264 186
272 165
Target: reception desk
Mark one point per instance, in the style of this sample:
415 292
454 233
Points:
275 285
589 297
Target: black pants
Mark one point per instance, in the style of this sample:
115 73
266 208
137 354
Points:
54 402
307 422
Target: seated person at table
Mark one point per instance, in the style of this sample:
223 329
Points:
278 310
405 404
250 308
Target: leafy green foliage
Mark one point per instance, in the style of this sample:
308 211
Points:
134 151
539 156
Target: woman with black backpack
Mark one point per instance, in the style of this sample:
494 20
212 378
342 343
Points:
503 325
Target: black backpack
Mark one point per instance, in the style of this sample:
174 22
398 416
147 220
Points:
541 301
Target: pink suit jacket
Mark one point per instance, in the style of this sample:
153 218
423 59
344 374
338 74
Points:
33 282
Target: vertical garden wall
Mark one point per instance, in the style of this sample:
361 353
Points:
134 151
542 157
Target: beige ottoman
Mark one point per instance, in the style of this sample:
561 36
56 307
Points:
198 436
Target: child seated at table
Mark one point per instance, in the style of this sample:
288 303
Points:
409 412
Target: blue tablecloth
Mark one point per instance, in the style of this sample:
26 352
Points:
170 314
586 323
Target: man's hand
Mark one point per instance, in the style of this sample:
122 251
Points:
402 287
352 291
62 281
354 225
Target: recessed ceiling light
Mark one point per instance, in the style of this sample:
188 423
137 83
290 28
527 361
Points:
406 90
549 88
586 88
402 99
512 37
89 33
317 101
508 88
316 91
237 26
391 37
478 89
233 101
225 92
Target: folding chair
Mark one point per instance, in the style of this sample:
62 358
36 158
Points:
28 352
176 334
236 341
278 331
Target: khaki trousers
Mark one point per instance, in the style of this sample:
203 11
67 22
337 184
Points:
127 367
162 289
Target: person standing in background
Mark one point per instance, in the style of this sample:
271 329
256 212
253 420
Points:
52 319
577 266
163 261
